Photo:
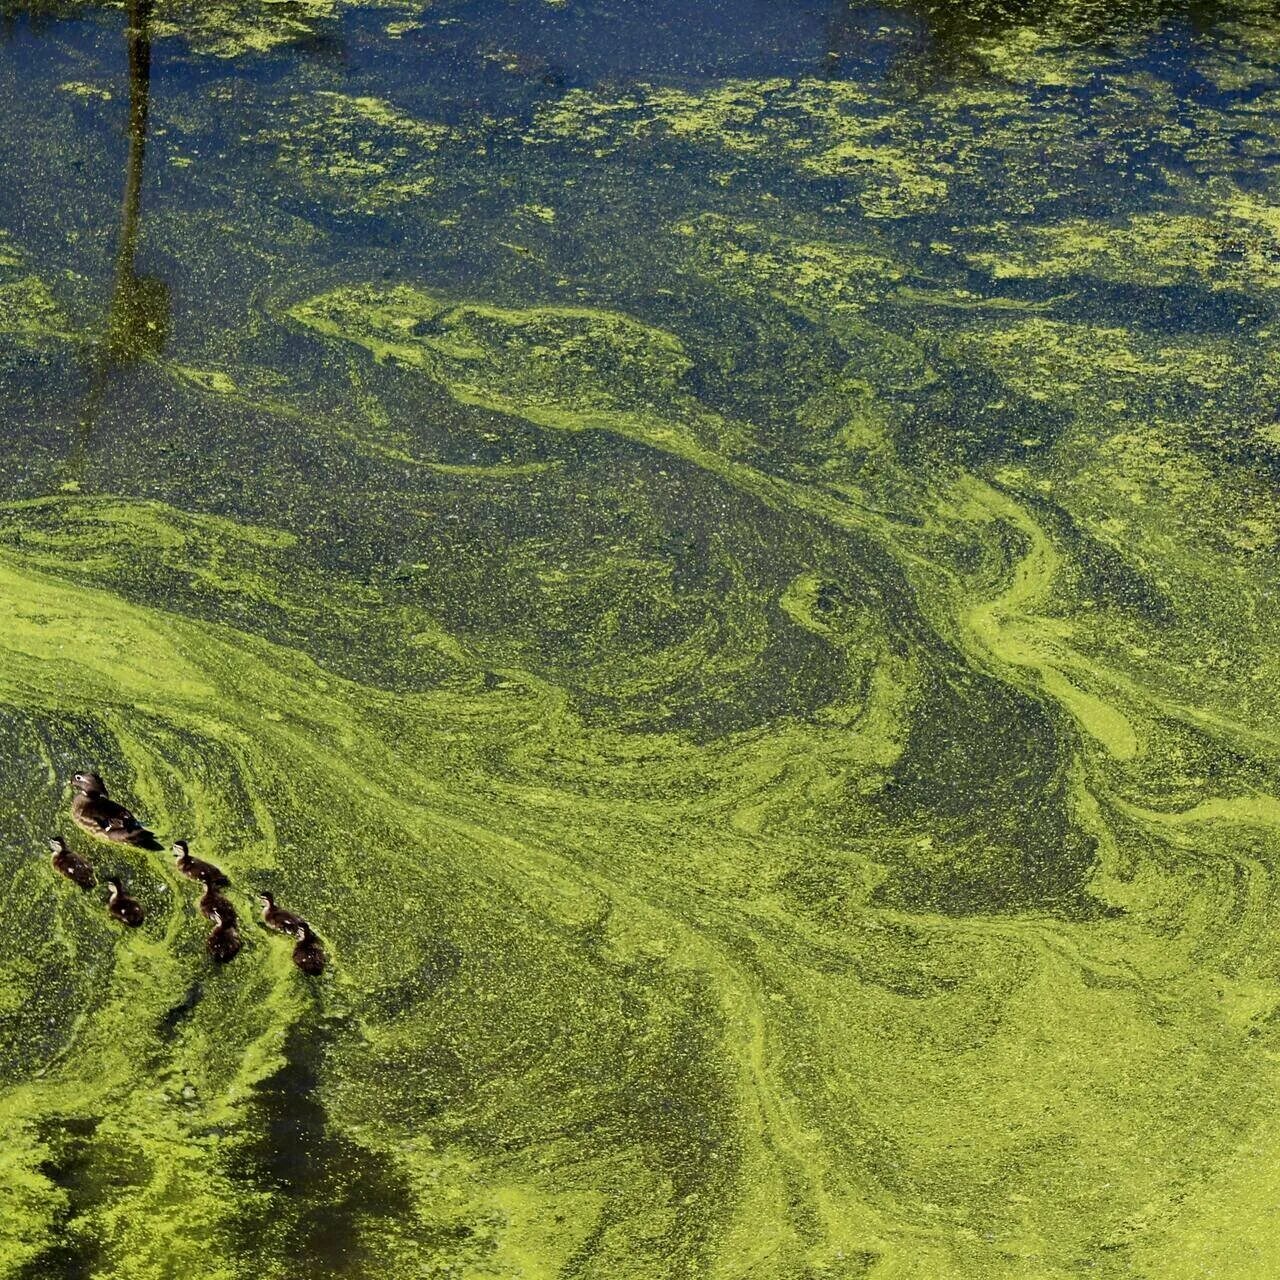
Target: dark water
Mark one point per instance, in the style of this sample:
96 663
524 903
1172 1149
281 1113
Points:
724 556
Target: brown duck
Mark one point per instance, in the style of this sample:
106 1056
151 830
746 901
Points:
95 812
223 942
194 869
308 955
278 918
122 907
69 864
212 900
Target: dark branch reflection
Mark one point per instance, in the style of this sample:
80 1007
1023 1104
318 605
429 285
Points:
138 320
138 314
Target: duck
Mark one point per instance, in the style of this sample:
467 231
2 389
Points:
95 812
122 907
194 869
223 943
212 900
69 864
278 918
308 955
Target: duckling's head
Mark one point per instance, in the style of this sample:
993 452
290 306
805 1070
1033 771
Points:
57 844
113 882
179 848
267 899
88 784
303 933
216 916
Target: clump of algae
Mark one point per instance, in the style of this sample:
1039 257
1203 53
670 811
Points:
1030 55
28 310
229 29
569 368
1149 250
362 152
828 276
233 28
821 129
79 89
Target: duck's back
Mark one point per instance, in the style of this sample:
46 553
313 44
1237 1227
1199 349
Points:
128 911
309 957
223 944
101 815
211 900
77 870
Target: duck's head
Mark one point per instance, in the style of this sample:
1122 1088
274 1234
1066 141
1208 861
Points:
179 848
216 916
267 899
113 882
57 844
88 784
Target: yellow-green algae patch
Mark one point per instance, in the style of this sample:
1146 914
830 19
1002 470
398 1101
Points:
80 89
234 28
361 150
1011 624
822 129
183 702
28 310
826 277
572 368
1237 251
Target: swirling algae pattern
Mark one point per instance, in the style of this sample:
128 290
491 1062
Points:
771 701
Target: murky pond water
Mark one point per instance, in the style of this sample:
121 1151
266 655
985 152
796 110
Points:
725 556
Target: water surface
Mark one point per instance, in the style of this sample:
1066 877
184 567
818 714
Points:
725 555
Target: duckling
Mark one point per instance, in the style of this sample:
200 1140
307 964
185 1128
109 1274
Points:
69 864
95 812
223 943
124 908
308 955
212 900
194 869
278 918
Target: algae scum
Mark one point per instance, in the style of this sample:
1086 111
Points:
725 557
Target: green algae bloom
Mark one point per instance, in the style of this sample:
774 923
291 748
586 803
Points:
733 581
